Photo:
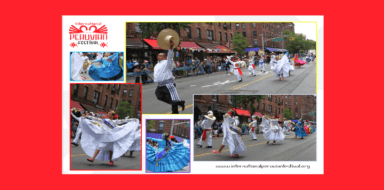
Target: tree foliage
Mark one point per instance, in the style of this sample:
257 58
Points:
150 124
247 101
288 114
124 109
240 43
151 28
298 43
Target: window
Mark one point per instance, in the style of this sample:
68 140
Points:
226 37
285 97
279 99
96 96
275 109
198 33
297 115
189 35
161 126
108 86
210 34
254 25
275 99
243 25
85 92
139 105
138 114
270 97
75 89
263 106
254 33
106 100
113 87
118 88
130 92
117 102
279 110
214 97
230 25
285 103
231 37
296 103
218 24
220 36
296 96
269 108
230 99
110 103
125 92
296 109
237 26
289 97
244 34
289 103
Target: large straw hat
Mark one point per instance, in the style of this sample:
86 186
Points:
165 36
261 52
251 53
210 115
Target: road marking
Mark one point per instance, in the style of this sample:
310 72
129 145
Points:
78 155
181 108
219 83
193 85
243 85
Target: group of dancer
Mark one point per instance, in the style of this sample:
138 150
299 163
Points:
107 139
271 129
110 69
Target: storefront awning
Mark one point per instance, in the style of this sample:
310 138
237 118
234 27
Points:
258 114
89 108
207 45
252 49
76 105
189 45
241 112
152 43
135 43
271 49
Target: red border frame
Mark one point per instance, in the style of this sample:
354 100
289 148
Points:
141 119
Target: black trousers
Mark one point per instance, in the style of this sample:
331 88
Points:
163 94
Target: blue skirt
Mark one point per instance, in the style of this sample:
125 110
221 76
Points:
300 132
112 72
176 159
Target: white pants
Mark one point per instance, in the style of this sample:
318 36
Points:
78 132
236 72
250 69
208 139
253 133
215 132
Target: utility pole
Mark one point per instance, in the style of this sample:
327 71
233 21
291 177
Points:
173 121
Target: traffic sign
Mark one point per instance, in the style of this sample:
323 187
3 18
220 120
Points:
276 40
312 113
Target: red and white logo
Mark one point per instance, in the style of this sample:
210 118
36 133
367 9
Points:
88 34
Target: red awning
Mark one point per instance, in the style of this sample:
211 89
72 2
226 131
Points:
76 105
152 43
224 49
241 112
258 114
189 45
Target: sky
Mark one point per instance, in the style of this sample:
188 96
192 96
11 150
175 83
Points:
309 29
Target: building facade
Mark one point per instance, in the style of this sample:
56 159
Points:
181 127
106 97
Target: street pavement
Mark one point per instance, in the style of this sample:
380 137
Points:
301 81
88 78
291 149
79 161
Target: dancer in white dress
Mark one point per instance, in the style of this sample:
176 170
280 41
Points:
207 133
107 139
136 146
251 66
76 66
271 130
286 127
232 136
253 127
237 68
282 67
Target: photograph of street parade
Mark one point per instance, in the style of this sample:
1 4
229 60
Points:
255 127
97 66
105 126
168 145
175 60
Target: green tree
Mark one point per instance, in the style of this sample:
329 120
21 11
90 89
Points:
150 28
150 124
124 109
297 43
247 101
240 43
288 114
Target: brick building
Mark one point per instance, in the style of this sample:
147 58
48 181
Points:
180 129
301 105
106 97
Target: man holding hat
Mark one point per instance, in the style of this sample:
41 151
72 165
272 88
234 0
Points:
237 68
207 133
166 89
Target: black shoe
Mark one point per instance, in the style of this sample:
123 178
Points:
208 147
199 145
75 144
240 80
182 104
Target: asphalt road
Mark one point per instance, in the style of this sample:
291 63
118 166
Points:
79 161
291 149
301 81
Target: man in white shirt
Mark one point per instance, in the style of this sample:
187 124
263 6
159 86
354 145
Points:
206 124
166 89
237 68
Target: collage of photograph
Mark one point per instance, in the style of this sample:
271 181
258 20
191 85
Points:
235 91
